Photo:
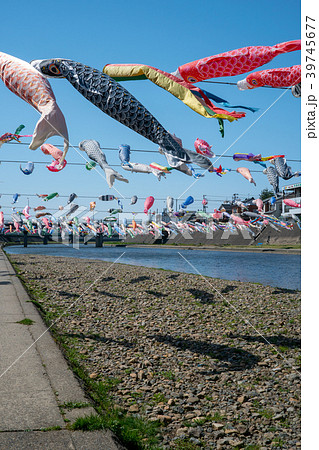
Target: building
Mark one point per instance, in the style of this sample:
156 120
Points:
233 208
227 207
293 192
273 209
279 208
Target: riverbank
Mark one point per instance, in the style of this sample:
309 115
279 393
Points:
268 268
267 239
215 362
293 250
280 249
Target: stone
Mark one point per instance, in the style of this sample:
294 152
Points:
242 429
163 418
193 399
134 408
217 426
236 443
181 431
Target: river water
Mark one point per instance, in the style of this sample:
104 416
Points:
274 269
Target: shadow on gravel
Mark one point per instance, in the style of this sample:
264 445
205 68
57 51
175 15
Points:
5 282
285 291
228 288
203 296
156 294
236 359
106 279
173 276
67 294
274 340
71 278
108 294
98 338
138 279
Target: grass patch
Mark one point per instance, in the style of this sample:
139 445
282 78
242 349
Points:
185 444
75 405
283 348
159 398
217 417
267 413
136 394
26 321
135 432
277 442
200 422
169 375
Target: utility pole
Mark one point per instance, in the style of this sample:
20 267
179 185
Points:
235 197
204 203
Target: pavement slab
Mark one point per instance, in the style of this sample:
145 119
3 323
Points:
35 379
59 440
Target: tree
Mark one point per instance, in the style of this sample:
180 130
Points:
266 193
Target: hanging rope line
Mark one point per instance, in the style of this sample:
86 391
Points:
209 197
235 84
132 150
82 164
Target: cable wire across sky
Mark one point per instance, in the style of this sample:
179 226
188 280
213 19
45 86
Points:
132 150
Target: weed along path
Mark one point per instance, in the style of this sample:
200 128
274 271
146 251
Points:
174 360
40 396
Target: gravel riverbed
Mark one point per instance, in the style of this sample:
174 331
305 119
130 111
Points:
217 362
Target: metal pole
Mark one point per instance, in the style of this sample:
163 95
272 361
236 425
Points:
25 238
99 240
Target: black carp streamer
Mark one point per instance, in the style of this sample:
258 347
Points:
112 99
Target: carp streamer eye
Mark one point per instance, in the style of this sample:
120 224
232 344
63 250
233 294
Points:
254 81
53 69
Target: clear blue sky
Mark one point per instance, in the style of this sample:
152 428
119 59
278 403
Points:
165 35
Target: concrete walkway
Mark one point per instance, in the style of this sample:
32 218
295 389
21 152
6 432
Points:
35 380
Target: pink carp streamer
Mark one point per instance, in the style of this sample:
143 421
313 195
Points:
246 174
292 203
148 203
55 166
233 62
27 83
49 149
203 148
259 203
282 77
